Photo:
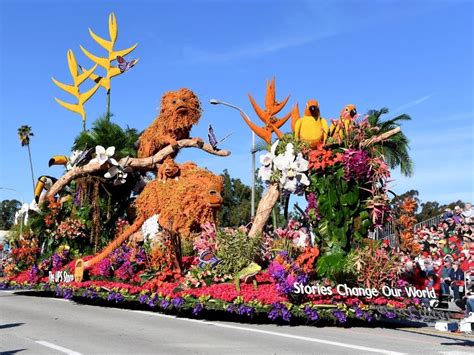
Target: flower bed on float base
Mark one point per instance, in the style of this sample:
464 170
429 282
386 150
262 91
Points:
248 302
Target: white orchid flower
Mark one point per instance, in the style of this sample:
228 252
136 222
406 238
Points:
283 161
267 159
264 173
103 155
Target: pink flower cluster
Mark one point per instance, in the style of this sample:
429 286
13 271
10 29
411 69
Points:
207 240
71 228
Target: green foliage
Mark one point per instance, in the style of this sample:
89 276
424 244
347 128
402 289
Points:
298 145
107 134
8 208
236 250
331 266
341 213
24 134
394 149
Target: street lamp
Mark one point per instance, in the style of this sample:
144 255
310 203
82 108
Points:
22 202
252 202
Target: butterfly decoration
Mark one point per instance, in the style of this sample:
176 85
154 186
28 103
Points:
83 157
213 139
207 257
123 65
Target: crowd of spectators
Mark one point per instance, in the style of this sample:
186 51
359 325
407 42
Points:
446 254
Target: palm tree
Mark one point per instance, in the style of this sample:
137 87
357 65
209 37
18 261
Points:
394 149
24 134
106 133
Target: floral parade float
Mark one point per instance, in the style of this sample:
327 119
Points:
107 231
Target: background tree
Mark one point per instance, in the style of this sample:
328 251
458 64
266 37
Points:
428 210
8 208
394 149
24 134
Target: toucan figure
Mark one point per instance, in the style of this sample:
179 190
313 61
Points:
45 182
58 160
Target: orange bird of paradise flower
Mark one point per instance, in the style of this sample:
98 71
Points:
272 124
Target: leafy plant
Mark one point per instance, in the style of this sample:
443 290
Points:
373 267
108 134
236 250
331 266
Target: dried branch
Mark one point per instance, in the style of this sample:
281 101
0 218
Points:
380 138
149 163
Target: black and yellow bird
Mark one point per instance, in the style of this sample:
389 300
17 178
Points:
58 160
44 183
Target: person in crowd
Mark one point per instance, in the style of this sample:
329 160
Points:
457 217
445 276
452 248
448 213
468 214
457 279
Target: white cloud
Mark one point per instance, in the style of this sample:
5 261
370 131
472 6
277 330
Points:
412 103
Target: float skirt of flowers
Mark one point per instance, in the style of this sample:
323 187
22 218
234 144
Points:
248 302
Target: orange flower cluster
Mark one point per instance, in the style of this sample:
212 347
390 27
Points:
320 158
307 260
164 260
407 220
54 208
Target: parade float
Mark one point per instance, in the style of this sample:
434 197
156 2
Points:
127 224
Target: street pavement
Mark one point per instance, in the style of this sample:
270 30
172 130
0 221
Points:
40 325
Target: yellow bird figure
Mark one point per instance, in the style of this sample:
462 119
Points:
346 118
311 128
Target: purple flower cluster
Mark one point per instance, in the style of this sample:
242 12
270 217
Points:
164 304
143 299
197 308
241 310
340 316
311 313
64 292
312 208
90 293
390 315
115 296
34 274
177 302
286 275
362 314
356 165
279 310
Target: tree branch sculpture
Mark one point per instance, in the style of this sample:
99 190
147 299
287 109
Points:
143 164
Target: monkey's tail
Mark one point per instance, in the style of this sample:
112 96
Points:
114 244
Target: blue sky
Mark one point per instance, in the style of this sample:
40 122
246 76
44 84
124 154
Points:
414 57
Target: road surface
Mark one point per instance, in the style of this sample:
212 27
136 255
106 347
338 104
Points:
39 325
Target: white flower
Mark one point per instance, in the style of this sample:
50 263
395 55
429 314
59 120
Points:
302 240
282 161
103 155
264 173
119 171
151 227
